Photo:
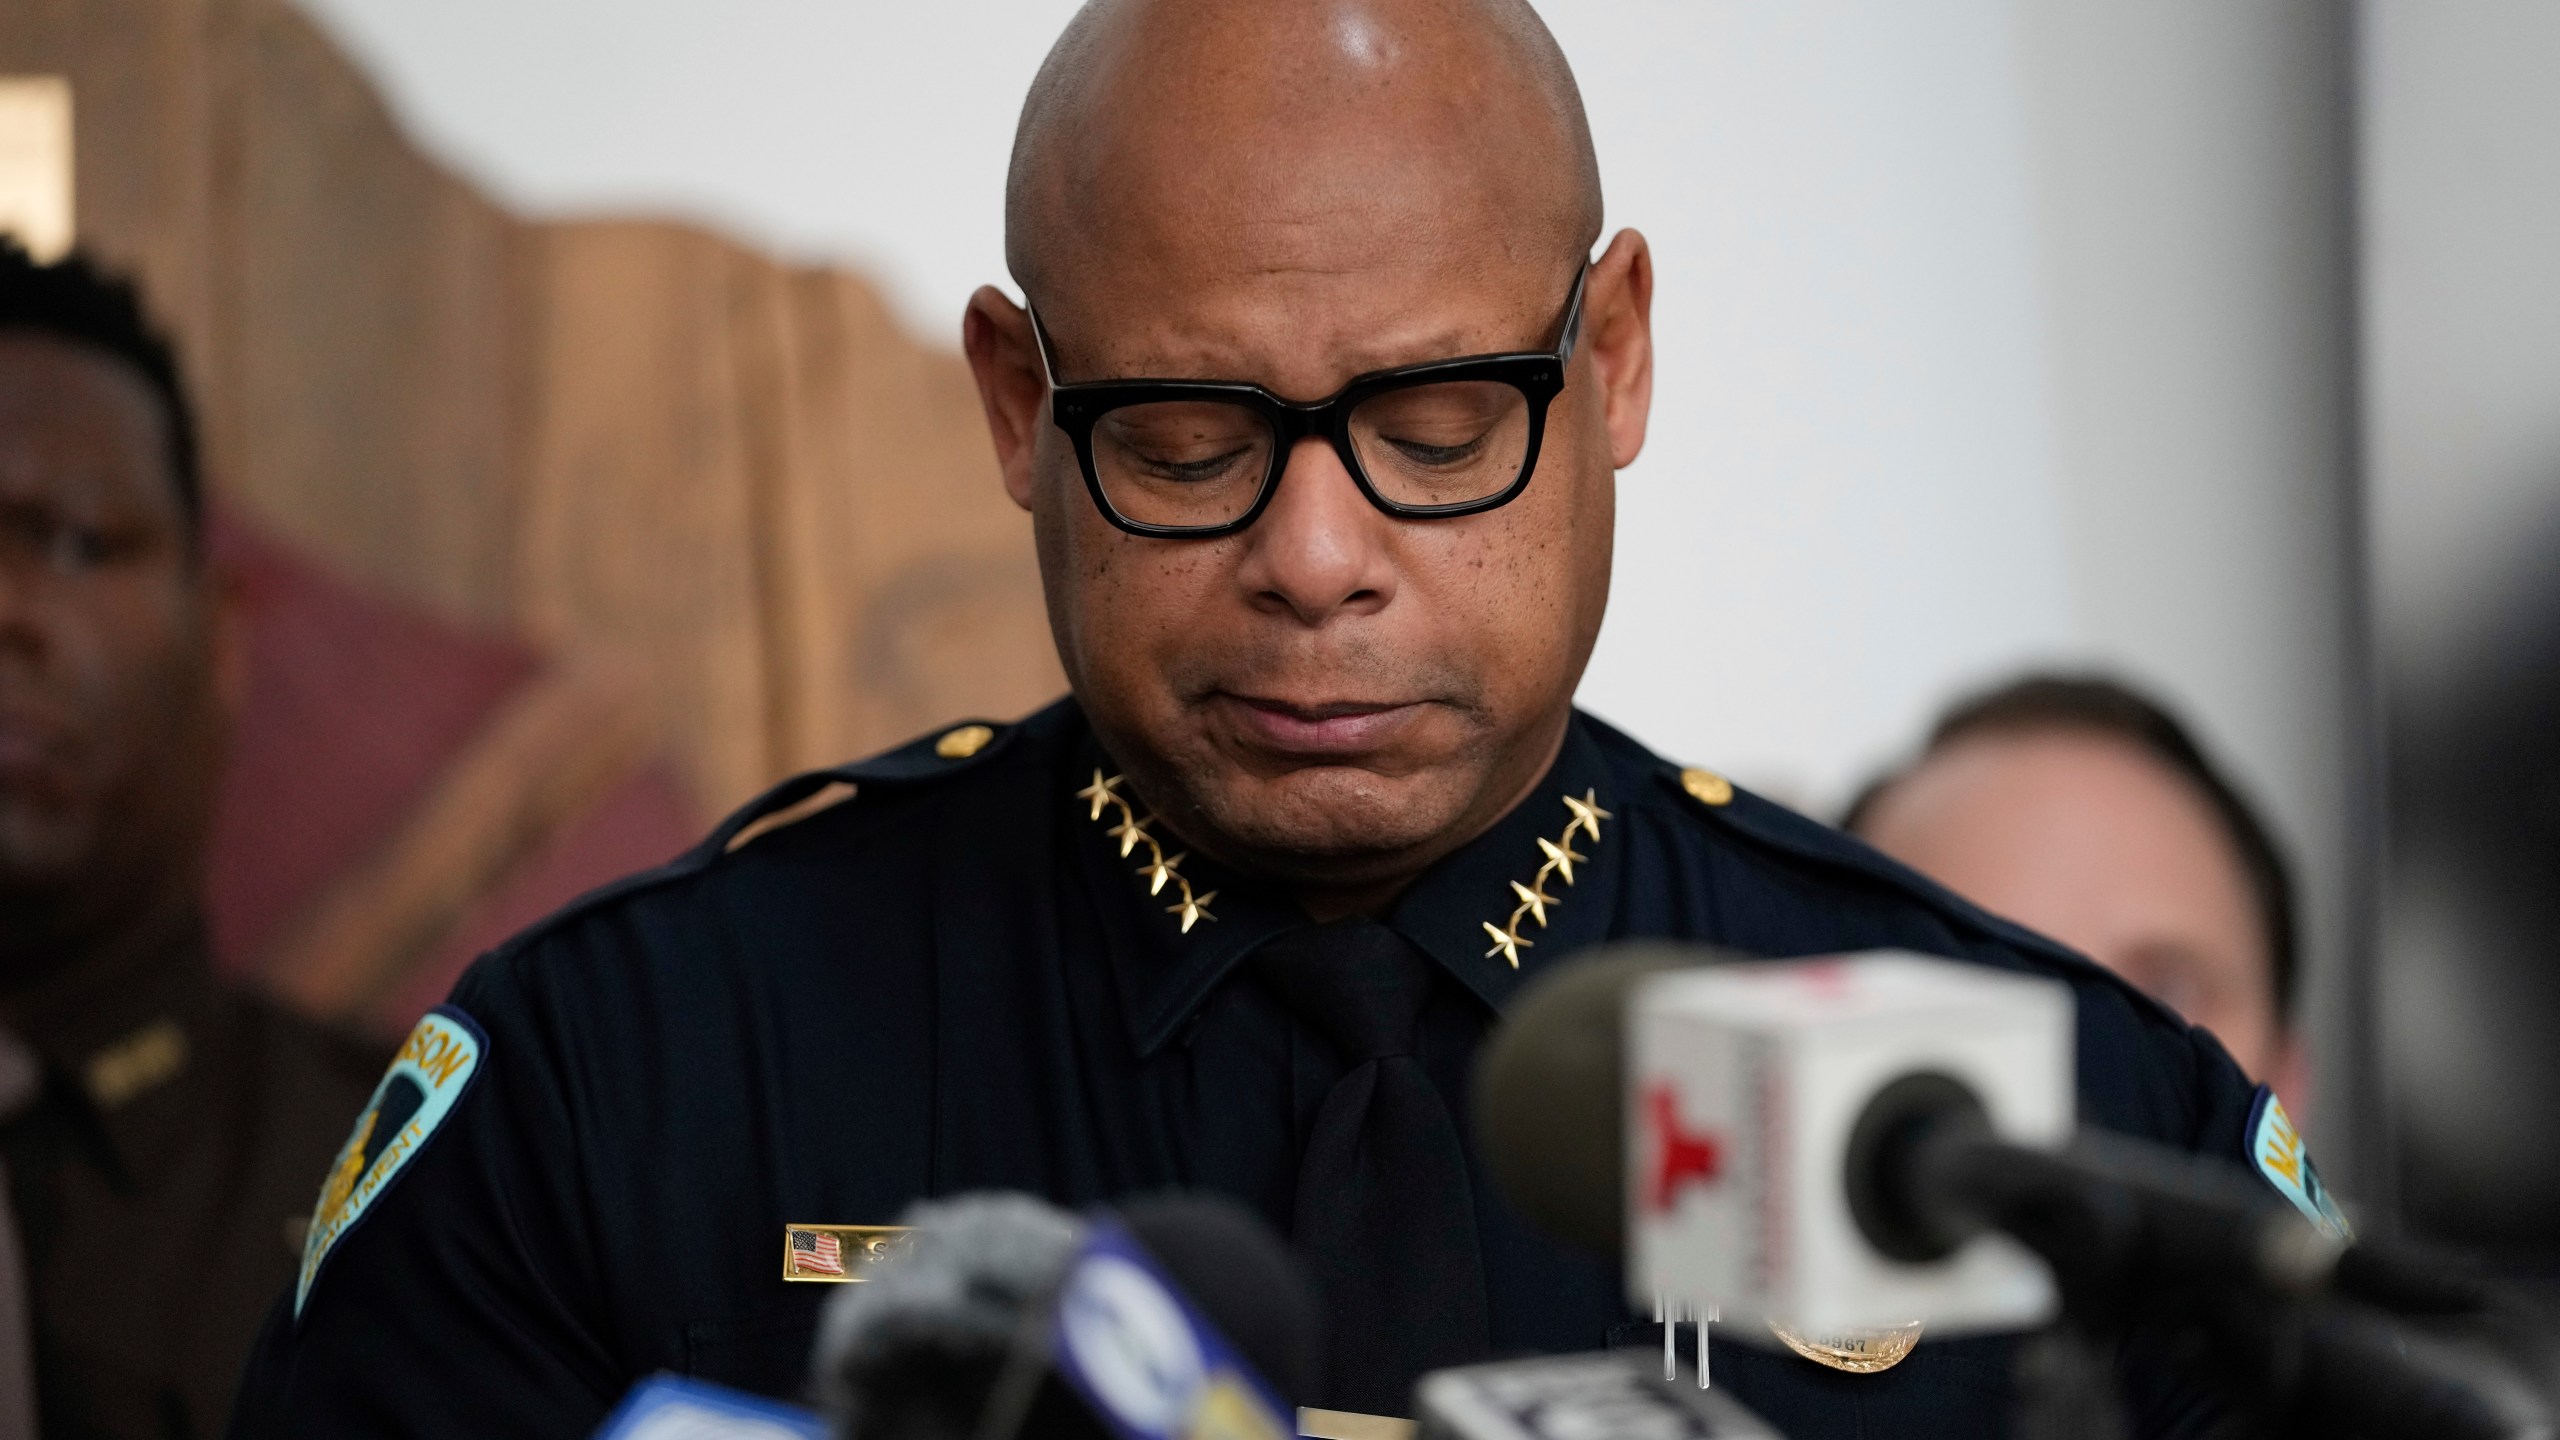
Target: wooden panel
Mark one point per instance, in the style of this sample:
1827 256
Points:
620 436
362 323
912 592
640 527
137 71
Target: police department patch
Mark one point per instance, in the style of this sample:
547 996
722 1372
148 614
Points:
2276 1148
436 1064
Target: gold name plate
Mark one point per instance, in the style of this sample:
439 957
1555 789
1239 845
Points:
836 1254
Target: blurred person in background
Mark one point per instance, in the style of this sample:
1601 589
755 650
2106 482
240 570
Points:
2082 808
160 1131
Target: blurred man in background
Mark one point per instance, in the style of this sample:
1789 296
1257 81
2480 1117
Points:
2085 810
161 1134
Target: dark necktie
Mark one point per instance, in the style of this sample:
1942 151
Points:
1386 1220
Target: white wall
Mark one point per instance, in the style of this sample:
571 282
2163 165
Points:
1990 330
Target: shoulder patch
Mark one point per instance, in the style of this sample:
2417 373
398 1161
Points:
2276 1149
435 1067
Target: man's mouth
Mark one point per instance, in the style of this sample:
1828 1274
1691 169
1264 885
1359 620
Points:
1318 729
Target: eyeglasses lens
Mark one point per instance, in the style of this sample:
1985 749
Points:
1183 462
1452 443
1197 463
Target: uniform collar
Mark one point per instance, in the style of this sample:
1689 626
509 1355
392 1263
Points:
1453 911
118 1036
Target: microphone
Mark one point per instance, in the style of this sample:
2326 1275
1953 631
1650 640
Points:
1858 1143
1694 1113
1002 1315
912 1353
1605 1396
669 1407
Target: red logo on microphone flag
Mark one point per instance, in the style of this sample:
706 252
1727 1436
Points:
1681 1157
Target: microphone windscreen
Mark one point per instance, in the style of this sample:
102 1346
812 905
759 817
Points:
915 1350
1550 1093
1240 1277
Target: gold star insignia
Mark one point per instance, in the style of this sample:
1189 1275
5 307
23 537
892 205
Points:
1587 815
1561 856
1506 943
1101 792
1536 899
1128 833
1160 870
1193 909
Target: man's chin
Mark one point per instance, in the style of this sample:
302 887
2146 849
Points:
1331 825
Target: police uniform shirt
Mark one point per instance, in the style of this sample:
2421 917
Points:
988 968
159 1182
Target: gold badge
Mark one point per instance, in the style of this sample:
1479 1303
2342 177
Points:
1860 1352
963 742
1706 786
1159 868
836 1254
136 1063
1534 899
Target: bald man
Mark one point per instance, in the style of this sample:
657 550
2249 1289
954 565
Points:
1316 400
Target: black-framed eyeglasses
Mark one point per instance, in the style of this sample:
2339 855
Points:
1191 459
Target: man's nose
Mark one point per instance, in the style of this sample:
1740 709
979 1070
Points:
1320 549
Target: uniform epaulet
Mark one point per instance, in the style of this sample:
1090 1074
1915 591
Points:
1776 827
946 752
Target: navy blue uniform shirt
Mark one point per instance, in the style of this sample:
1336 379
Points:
581 1170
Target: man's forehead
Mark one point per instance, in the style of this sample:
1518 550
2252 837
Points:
1302 331
1387 262
46 372
1316 136
74 418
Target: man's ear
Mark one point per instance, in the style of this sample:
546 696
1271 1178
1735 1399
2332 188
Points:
1004 356
1617 335
2292 1074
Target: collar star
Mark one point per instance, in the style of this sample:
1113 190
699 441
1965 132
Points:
1161 869
1507 941
1101 792
1587 816
1192 908
1560 858
1534 898
1158 869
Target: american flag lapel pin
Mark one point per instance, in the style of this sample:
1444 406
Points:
836 1254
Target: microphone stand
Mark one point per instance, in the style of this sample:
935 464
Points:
2145 1240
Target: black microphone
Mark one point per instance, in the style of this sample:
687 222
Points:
2134 1230
1242 1278
1602 1396
913 1352
2117 1220
952 1338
